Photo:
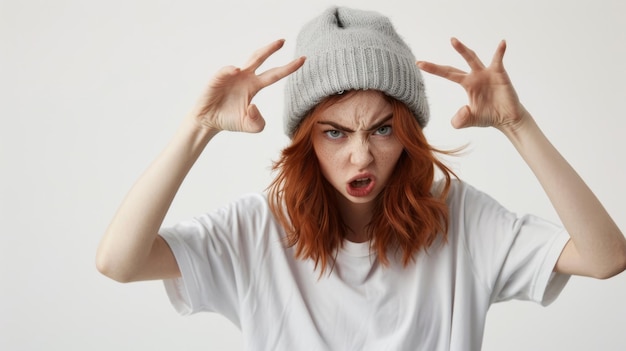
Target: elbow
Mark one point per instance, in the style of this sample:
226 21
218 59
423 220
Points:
607 274
621 267
620 262
618 266
110 268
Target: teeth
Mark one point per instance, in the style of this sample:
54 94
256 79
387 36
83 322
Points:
360 182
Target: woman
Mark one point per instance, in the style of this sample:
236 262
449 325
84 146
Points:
357 244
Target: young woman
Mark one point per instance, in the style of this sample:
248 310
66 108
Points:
358 244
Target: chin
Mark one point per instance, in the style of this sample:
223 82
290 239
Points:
361 199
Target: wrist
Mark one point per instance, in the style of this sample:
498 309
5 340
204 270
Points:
194 135
517 125
194 126
524 134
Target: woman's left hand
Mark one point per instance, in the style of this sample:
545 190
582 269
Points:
493 101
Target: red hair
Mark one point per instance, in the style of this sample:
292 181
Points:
408 216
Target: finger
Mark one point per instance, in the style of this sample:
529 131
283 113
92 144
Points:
462 118
260 55
254 121
498 56
469 55
275 74
447 72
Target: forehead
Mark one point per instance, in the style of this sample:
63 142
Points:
359 107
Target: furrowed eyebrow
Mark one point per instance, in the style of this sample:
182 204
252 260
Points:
346 129
380 123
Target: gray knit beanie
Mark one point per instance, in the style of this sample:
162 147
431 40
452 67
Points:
350 49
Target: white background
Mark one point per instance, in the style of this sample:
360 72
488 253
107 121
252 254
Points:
91 91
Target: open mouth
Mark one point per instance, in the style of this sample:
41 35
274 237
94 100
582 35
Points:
360 183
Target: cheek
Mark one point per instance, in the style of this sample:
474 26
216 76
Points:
390 154
331 160
397 153
325 157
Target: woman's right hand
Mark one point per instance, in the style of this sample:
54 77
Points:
226 103
131 248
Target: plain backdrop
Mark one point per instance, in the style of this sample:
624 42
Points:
91 91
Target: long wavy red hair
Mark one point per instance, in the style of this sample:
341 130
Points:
408 214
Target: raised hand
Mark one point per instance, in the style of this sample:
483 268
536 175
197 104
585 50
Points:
492 98
226 103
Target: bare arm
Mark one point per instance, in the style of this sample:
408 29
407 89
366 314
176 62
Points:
130 249
597 247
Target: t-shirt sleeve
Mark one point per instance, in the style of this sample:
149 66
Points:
213 260
514 256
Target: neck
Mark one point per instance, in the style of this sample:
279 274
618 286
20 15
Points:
356 217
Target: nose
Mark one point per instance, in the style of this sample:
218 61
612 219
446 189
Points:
360 153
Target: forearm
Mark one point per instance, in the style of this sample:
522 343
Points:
598 246
126 244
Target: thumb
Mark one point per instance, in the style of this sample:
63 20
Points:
462 118
253 121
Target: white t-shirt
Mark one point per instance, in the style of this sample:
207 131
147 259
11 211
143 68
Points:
233 262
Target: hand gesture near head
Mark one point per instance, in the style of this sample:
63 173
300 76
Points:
131 248
492 98
226 103
596 246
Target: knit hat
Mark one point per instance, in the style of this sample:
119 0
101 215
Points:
349 49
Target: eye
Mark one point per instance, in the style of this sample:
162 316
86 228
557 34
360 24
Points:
333 134
384 130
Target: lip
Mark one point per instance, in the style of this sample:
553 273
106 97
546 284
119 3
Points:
361 192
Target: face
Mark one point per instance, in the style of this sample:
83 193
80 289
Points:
355 144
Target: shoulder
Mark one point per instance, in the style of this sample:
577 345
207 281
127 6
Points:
251 214
244 222
469 206
253 202
456 191
243 215
246 205
250 210
462 194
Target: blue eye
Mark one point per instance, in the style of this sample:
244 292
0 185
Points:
333 134
384 130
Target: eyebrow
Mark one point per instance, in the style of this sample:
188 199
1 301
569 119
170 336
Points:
346 129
